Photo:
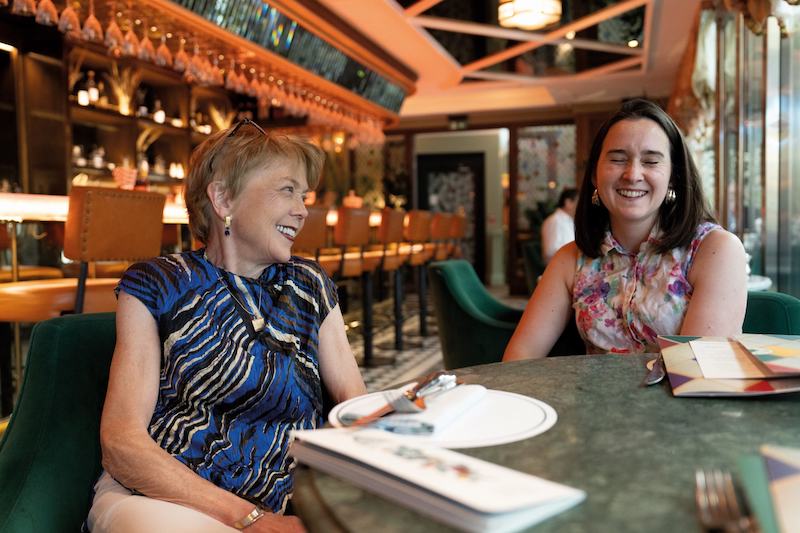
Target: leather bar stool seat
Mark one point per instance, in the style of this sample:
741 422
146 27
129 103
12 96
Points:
37 300
98 269
458 230
440 235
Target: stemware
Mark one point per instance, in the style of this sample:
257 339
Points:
113 38
92 31
146 50
130 44
23 7
231 79
46 13
163 55
181 59
69 23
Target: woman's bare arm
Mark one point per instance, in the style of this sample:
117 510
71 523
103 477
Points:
548 311
337 365
719 281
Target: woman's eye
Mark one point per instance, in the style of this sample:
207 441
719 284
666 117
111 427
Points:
650 163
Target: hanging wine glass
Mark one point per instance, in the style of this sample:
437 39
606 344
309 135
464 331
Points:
231 79
114 37
252 85
46 13
92 31
69 23
243 84
181 60
216 72
130 44
23 7
163 55
146 50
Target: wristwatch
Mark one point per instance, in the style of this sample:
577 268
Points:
250 519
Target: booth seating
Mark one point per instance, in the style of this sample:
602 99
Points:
102 225
772 312
420 249
440 236
50 453
393 257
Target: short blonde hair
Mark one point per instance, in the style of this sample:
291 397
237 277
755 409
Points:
230 159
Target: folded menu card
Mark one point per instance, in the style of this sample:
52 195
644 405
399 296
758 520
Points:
440 411
452 488
748 365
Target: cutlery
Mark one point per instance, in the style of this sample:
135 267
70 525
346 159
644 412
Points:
656 372
718 505
410 401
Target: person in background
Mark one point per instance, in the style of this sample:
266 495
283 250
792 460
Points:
648 258
559 228
221 352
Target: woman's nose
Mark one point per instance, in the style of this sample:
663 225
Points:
633 171
300 208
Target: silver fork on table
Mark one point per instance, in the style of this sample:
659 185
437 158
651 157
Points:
718 506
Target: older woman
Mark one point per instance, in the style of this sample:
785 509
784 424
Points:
222 351
648 258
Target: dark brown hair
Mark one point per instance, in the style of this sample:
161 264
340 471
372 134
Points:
229 156
677 220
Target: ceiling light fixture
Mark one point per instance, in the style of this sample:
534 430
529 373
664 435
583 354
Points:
528 14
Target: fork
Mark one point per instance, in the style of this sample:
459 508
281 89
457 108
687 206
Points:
717 504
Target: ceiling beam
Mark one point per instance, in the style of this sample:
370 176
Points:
609 68
420 7
576 25
487 30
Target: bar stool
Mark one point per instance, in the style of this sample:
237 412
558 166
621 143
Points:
458 230
102 225
440 235
351 233
417 234
312 240
393 257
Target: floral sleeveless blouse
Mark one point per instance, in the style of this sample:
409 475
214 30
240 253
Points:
623 301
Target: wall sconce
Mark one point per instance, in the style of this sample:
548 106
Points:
332 217
375 219
83 97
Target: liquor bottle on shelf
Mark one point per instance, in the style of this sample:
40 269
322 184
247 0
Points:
142 176
91 87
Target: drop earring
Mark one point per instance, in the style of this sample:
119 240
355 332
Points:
227 225
670 197
595 198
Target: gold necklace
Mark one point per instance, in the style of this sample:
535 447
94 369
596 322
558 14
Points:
256 319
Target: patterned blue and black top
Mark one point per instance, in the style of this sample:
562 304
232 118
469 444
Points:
228 395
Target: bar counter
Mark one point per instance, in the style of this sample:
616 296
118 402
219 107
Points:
633 450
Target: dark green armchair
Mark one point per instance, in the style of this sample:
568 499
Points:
50 453
772 312
474 327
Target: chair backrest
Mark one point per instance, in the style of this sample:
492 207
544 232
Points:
772 312
352 227
391 228
113 224
313 236
440 226
50 453
458 226
418 227
474 328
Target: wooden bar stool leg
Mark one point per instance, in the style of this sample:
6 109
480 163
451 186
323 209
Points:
366 319
398 309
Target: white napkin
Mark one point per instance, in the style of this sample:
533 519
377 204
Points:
440 410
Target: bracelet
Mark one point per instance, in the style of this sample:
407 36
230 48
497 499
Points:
250 519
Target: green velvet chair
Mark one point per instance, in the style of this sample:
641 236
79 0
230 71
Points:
474 327
772 312
50 453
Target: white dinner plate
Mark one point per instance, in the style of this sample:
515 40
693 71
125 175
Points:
498 418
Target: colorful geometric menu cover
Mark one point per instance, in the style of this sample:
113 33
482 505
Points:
779 353
687 379
783 470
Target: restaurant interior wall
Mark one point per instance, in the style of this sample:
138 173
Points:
493 144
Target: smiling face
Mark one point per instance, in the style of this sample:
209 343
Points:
633 174
268 212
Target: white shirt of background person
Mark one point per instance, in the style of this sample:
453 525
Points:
558 229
